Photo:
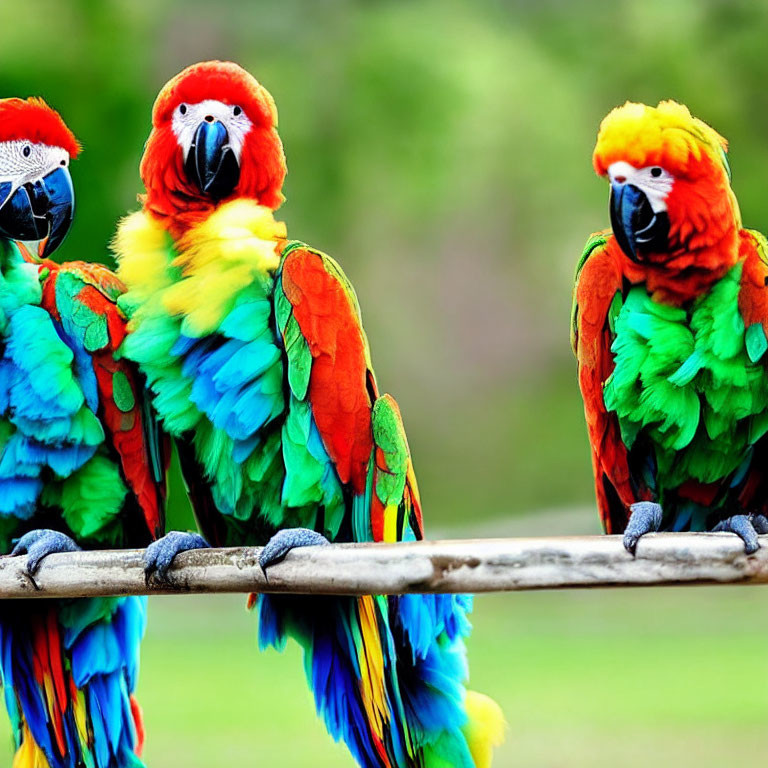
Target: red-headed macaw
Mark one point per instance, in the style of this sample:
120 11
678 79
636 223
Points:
254 349
669 329
81 463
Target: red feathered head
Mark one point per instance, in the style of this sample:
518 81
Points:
214 138
37 201
34 121
671 199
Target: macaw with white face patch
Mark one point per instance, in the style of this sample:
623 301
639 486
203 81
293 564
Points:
212 141
254 348
670 330
81 463
37 201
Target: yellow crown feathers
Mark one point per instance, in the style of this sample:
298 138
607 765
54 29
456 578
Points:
667 135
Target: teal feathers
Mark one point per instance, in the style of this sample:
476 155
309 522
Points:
267 386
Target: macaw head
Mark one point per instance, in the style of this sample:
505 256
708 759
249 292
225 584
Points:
670 183
37 201
214 137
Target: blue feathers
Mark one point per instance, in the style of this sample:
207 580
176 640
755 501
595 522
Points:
424 617
236 383
68 667
18 496
247 319
48 398
272 632
421 639
328 630
433 691
96 641
35 348
240 362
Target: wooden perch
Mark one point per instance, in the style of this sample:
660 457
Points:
479 565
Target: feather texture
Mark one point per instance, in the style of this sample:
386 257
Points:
671 346
684 396
79 455
264 378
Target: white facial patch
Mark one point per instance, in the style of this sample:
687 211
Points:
22 162
653 181
187 119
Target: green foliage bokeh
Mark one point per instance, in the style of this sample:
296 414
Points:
441 151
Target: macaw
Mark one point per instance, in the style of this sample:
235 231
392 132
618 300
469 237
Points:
670 329
81 463
253 348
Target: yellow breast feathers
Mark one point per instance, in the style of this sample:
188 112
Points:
200 275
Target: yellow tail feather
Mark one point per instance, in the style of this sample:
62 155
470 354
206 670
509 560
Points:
484 729
29 755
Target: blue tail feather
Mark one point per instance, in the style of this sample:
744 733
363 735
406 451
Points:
424 669
96 643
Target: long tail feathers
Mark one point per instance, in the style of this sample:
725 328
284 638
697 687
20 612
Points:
68 670
388 676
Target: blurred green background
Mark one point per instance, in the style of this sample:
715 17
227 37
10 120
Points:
441 151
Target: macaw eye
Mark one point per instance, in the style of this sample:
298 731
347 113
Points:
182 109
236 111
656 172
27 151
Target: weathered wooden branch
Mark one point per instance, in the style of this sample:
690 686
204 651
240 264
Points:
479 565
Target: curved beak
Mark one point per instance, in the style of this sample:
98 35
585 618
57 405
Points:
211 162
40 211
637 228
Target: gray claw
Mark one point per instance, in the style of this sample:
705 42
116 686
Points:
645 517
40 543
744 528
760 523
160 554
286 540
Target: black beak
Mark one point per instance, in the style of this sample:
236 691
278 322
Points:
211 163
638 230
40 211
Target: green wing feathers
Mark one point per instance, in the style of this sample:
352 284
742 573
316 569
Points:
83 297
396 506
